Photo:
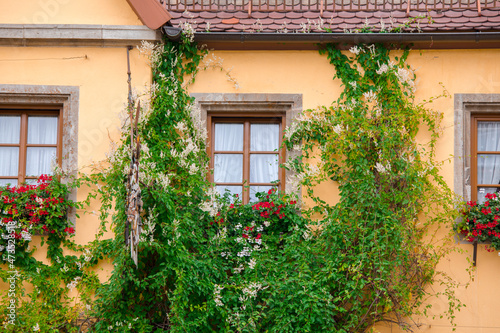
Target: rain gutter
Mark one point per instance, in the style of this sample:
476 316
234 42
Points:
438 40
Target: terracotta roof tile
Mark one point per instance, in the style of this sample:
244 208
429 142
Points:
224 15
208 15
293 15
479 19
346 14
469 13
311 15
490 12
237 20
259 15
494 19
276 15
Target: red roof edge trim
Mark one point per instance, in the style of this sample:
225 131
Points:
150 12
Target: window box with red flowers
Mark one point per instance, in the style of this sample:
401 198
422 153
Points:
28 210
481 222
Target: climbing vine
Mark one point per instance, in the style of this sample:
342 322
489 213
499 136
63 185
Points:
209 263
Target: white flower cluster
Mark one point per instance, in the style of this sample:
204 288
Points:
152 51
252 289
338 129
73 283
246 252
87 256
239 269
252 263
383 168
187 30
217 296
211 206
370 96
355 50
382 69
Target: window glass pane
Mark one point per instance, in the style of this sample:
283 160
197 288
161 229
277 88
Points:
10 129
4 182
39 160
232 189
488 136
42 130
256 189
228 137
264 137
482 191
263 168
9 161
488 169
228 168
31 181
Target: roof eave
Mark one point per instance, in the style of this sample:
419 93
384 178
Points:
426 40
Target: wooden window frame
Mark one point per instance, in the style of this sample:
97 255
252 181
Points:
475 118
25 112
247 119
249 104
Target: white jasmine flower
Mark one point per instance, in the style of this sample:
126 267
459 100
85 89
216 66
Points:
36 328
217 296
354 50
252 263
383 69
337 129
370 95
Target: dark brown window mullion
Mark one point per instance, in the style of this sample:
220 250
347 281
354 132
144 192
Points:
246 162
22 148
282 156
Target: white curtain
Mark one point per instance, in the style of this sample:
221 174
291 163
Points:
263 168
4 182
228 137
255 189
9 161
39 160
42 130
10 127
231 189
228 168
264 137
488 165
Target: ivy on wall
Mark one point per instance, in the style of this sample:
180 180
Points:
209 263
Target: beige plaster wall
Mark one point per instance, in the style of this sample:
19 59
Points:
458 71
108 12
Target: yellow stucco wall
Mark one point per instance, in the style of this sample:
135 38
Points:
108 12
101 76
459 71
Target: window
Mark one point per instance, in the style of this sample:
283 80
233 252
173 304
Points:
245 133
485 147
30 142
477 145
246 153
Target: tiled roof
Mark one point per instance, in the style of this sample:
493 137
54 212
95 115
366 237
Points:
279 16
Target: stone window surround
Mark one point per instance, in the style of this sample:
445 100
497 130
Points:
467 105
66 97
290 104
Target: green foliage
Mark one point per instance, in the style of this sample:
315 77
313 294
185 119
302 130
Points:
385 230
212 264
38 292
